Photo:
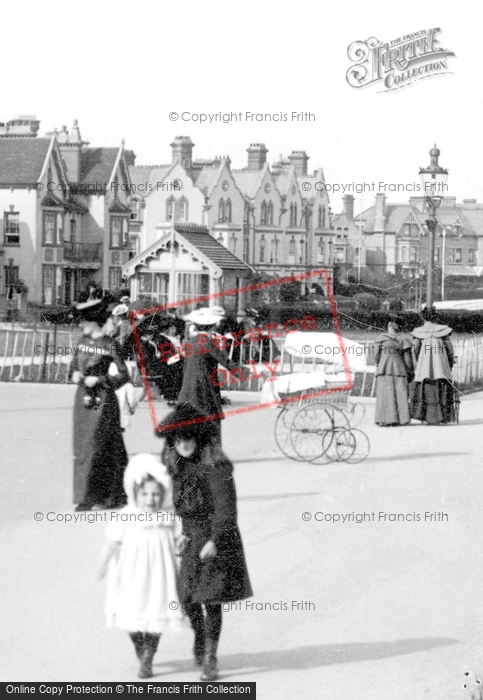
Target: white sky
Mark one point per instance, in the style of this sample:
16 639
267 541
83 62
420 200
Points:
122 68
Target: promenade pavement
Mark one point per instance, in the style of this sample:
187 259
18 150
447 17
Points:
378 610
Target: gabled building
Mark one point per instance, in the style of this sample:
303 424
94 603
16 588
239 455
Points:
184 263
265 216
395 236
65 212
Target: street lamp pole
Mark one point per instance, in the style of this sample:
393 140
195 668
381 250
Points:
433 179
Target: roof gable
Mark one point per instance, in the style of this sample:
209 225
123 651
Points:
97 166
22 160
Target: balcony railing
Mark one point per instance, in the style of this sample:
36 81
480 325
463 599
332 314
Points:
82 252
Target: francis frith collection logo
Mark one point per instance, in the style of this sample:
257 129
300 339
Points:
397 63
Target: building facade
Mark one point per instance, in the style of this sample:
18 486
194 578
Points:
64 212
276 220
394 237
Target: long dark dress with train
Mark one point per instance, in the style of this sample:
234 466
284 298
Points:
394 368
433 400
100 456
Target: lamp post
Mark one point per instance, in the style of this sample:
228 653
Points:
433 179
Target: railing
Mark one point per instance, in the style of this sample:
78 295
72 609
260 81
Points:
82 252
45 356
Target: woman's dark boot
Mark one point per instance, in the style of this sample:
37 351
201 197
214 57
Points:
210 668
138 641
199 646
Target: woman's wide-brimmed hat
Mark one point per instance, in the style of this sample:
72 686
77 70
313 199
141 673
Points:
141 467
93 309
184 423
206 316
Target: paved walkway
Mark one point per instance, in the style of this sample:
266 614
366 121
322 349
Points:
386 610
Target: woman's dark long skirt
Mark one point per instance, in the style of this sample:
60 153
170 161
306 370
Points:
433 401
100 456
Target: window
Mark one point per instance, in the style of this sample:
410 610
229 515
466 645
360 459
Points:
60 229
291 251
294 215
319 225
263 244
170 209
50 219
136 209
270 213
339 254
133 246
321 251
48 272
182 210
73 229
471 256
274 251
116 231
458 255
263 215
115 277
190 285
437 255
451 255
291 214
246 213
302 252
233 243
154 286
228 211
404 253
221 211
323 217
10 276
221 239
11 228
414 254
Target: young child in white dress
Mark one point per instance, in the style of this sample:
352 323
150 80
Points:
140 559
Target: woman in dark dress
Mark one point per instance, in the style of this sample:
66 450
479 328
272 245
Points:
213 568
393 374
99 453
433 399
201 382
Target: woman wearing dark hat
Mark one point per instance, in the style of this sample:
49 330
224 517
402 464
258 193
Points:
200 388
213 568
99 453
433 400
394 372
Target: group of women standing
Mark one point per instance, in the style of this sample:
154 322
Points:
413 373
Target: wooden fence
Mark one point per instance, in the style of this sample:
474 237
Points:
45 356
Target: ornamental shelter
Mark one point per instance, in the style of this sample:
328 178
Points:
187 262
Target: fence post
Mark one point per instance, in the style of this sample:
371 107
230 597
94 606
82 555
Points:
44 365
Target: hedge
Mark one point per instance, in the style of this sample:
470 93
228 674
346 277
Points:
459 321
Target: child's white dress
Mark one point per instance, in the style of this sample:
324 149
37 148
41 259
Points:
141 585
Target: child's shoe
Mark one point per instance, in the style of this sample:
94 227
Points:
87 401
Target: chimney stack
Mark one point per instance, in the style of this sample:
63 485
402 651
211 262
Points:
183 151
379 219
257 155
348 204
299 160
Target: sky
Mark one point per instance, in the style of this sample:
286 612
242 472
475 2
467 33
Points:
121 69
